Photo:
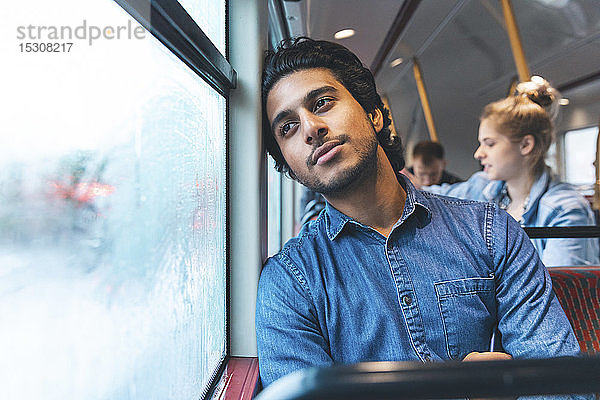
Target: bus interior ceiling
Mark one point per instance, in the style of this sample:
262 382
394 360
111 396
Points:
465 55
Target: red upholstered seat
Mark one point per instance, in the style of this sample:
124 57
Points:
578 290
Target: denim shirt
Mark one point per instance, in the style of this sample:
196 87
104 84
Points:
551 203
450 271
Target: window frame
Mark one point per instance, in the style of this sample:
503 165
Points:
169 22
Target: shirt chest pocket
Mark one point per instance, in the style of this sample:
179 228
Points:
468 311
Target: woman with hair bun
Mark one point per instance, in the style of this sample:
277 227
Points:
514 136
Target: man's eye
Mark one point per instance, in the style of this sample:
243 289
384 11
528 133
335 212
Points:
286 128
319 104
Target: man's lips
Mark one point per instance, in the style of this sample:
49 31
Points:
323 150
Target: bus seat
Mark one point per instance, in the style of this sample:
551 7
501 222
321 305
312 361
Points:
578 290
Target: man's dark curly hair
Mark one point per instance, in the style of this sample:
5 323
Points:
302 53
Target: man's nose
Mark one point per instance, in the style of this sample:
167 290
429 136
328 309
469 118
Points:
314 128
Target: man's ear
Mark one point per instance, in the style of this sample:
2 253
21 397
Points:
376 118
527 144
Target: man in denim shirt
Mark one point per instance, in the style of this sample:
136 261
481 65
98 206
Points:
386 272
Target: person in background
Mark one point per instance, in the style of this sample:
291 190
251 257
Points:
311 204
429 164
514 136
386 272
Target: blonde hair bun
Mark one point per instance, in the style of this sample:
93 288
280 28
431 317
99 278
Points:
542 93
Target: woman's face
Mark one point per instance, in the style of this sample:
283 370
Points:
500 157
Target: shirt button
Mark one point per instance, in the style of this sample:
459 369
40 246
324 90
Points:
427 358
407 300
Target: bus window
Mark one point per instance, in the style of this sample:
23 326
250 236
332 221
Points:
112 211
209 15
579 155
273 208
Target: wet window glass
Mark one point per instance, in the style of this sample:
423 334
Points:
112 213
209 15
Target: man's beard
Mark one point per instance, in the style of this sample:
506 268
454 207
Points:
348 179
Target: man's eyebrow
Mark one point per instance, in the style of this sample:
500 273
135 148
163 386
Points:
307 99
318 92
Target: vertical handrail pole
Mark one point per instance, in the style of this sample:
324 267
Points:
515 41
424 100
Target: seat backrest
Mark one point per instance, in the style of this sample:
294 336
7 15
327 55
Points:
578 290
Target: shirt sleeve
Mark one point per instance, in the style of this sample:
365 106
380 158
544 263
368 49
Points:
288 333
472 189
530 318
572 251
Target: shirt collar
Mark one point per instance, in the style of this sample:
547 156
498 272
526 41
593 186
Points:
539 187
493 191
335 221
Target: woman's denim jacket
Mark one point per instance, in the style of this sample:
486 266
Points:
448 274
551 203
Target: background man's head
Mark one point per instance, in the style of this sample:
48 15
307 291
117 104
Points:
428 162
302 53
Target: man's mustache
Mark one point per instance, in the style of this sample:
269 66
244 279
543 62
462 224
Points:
310 161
